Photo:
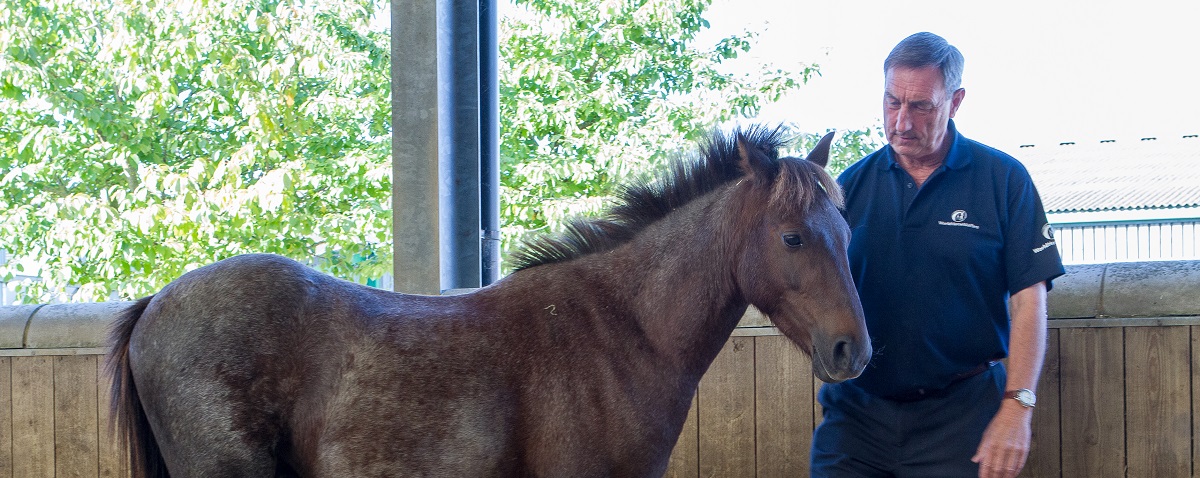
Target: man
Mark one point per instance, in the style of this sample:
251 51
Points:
949 239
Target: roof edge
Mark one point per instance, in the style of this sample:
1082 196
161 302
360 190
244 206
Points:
1117 216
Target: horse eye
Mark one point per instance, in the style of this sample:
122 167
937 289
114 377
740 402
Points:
793 240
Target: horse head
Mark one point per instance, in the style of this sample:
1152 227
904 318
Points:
794 268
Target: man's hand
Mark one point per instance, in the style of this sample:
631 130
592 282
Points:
1005 444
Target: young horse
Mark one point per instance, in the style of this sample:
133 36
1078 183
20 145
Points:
582 363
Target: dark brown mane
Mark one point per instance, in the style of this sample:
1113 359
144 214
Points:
644 202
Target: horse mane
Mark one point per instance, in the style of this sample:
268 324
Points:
642 202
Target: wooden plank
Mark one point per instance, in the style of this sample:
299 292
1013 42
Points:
76 430
1045 458
685 458
113 461
1157 397
818 411
6 418
1196 400
783 390
33 416
1092 372
726 412
1186 320
54 352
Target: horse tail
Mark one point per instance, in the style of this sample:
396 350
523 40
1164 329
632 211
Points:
128 416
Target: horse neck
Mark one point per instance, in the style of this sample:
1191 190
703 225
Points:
677 279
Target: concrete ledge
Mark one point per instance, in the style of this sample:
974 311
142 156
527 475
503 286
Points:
1128 289
1151 289
1076 294
1099 295
72 325
13 321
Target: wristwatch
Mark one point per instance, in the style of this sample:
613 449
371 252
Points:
1024 396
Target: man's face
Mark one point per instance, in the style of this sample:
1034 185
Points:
917 110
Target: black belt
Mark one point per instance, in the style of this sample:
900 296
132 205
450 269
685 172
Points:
923 393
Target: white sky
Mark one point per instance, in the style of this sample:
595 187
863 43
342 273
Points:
1037 72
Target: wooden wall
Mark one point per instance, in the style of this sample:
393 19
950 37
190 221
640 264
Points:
54 418
1118 397
1114 401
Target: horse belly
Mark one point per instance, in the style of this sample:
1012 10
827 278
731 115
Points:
605 441
417 435
411 406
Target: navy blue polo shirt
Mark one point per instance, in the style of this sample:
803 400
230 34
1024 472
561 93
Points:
935 265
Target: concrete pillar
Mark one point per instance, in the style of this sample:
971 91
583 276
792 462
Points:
415 223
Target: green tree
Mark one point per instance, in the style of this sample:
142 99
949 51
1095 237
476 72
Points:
593 93
141 139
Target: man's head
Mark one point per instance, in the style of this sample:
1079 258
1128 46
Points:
922 91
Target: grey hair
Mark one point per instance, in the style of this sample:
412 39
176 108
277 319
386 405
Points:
925 49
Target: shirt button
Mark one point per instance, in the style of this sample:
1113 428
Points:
910 185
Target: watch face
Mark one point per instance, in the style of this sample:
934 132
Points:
1025 397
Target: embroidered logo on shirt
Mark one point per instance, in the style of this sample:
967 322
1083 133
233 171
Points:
1048 233
958 217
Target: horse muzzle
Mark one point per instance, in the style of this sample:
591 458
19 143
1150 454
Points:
841 358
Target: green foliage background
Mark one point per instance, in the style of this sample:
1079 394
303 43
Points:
593 93
140 139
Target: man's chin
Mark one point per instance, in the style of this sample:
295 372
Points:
904 147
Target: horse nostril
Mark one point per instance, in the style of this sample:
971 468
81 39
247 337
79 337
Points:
841 351
844 354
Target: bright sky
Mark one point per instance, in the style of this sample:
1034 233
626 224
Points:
1037 72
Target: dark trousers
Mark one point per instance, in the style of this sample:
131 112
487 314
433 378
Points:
863 435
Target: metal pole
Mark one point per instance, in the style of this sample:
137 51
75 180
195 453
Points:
458 155
489 141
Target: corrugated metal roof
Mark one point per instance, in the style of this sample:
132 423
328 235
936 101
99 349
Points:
1162 173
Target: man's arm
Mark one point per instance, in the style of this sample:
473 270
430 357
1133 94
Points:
1005 444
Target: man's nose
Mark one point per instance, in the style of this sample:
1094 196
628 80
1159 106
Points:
903 121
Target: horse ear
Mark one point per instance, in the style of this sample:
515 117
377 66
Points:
820 152
752 161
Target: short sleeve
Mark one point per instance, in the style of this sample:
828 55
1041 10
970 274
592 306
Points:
1031 252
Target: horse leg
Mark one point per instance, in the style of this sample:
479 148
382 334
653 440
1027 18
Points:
200 438
209 420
